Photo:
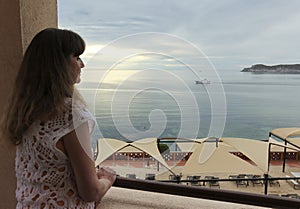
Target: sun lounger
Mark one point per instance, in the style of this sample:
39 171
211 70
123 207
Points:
255 181
150 176
207 177
293 183
296 196
194 180
175 178
213 181
273 182
242 181
232 176
131 176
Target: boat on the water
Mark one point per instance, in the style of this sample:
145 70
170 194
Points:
204 81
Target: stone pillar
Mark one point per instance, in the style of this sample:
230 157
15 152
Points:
20 20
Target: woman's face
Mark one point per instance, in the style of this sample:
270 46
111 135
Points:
76 65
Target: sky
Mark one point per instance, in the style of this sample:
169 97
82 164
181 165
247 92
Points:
169 44
233 34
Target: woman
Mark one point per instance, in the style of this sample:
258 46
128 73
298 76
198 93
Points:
51 127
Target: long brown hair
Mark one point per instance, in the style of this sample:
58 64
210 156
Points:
43 82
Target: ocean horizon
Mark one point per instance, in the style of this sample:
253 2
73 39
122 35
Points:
255 104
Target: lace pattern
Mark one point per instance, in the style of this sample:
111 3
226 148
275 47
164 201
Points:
44 175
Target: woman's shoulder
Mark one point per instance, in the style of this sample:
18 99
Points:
73 103
80 113
78 109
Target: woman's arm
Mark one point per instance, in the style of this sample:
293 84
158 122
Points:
90 185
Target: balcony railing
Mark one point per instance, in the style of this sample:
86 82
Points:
209 193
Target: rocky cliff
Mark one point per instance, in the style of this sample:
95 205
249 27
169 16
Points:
281 69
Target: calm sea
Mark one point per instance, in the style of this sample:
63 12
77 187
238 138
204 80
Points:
249 106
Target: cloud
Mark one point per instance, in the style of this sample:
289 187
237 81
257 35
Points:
239 32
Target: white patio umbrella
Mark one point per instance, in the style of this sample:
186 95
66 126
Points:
218 157
108 146
149 145
288 135
256 150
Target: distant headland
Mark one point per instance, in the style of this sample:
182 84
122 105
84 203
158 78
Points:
279 69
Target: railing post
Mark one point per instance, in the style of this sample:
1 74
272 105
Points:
284 156
266 176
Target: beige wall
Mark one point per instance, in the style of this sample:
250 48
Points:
35 16
19 21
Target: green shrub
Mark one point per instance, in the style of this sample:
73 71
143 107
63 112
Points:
163 148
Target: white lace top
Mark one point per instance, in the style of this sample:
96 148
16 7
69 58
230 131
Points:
44 175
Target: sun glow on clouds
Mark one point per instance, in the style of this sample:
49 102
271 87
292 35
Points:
124 58
116 69
91 50
108 68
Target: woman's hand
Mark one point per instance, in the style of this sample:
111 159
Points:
107 173
107 176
